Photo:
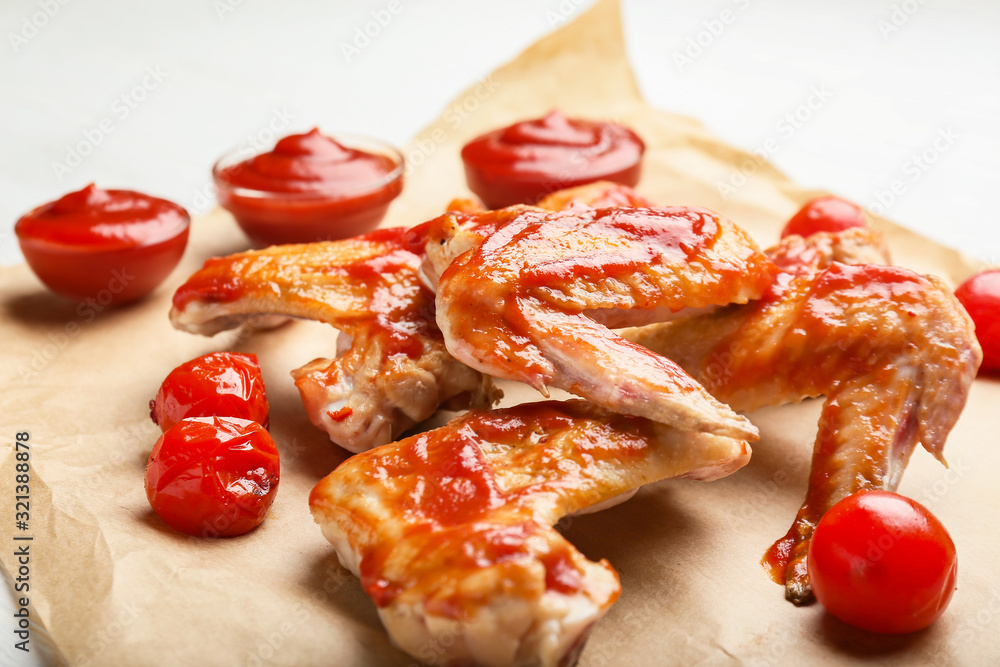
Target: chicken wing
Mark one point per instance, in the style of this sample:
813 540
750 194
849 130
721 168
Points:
450 531
600 194
393 369
893 352
529 295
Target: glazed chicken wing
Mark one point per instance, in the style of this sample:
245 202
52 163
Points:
529 295
393 370
600 194
893 352
450 531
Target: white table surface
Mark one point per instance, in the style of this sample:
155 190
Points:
903 90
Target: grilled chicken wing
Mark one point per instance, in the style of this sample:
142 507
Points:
529 295
893 352
602 194
450 531
393 370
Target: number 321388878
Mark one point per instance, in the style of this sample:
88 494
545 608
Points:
22 477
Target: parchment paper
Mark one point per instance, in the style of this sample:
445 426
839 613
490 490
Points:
114 586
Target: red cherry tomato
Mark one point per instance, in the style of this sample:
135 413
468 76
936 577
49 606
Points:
213 476
980 295
103 246
825 214
223 384
882 562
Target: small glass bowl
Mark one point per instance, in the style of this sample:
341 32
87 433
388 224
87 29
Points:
273 218
108 276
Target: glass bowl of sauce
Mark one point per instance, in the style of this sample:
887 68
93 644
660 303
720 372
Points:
310 187
523 162
111 246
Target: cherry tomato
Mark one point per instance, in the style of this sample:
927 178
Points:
213 476
882 562
980 295
825 214
223 384
103 246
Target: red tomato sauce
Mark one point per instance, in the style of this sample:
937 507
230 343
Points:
528 160
93 241
309 188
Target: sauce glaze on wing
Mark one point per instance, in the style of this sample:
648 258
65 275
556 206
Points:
393 369
529 295
450 530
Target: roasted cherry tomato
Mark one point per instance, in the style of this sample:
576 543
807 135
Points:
103 246
213 476
825 214
221 384
882 562
980 295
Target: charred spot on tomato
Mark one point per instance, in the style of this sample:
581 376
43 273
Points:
213 476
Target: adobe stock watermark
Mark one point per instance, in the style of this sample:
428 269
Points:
711 30
87 311
778 647
563 12
900 15
126 613
260 140
785 129
455 116
34 23
635 616
967 629
121 108
225 7
121 448
941 487
268 644
110 634
913 169
365 34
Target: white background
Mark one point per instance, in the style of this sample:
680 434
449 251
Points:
897 76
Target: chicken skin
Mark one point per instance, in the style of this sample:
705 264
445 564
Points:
450 531
393 370
600 194
892 351
531 295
